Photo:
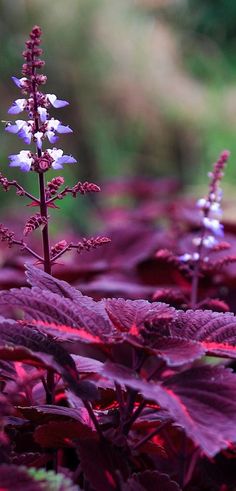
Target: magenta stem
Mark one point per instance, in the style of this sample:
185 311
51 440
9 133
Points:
24 246
24 192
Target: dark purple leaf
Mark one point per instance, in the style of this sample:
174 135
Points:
101 463
57 434
177 351
43 413
202 400
5 407
37 277
62 332
150 481
48 307
215 331
208 398
22 343
143 324
87 365
30 459
131 315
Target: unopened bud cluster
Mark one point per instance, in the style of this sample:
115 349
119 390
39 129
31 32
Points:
33 223
53 186
6 235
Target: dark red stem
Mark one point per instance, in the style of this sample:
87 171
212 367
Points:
45 236
150 435
43 203
24 246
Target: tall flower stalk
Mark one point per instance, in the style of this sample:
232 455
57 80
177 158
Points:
41 130
211 229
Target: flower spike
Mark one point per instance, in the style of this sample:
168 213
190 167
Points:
38 127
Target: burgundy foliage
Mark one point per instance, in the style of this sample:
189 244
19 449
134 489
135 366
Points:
133 388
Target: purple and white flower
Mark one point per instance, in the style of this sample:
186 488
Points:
38 138
55 102
215 210
53 125
22 128
209 241
23 160
18 106
43 114
185 258
16 127
202 203
214 226
59 159
20 82
25 130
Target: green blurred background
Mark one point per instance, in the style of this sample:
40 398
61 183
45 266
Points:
151 85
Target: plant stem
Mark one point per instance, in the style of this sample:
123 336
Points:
196 272
45 237
182 461
50 387
42 195
93 418
67 248
194 287
150 435
24 246
47 266
23 191
135 415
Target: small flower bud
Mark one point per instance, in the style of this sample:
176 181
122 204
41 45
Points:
60 246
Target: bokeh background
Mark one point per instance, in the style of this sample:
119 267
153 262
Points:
151 85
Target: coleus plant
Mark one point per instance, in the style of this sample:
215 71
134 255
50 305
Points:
117 395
